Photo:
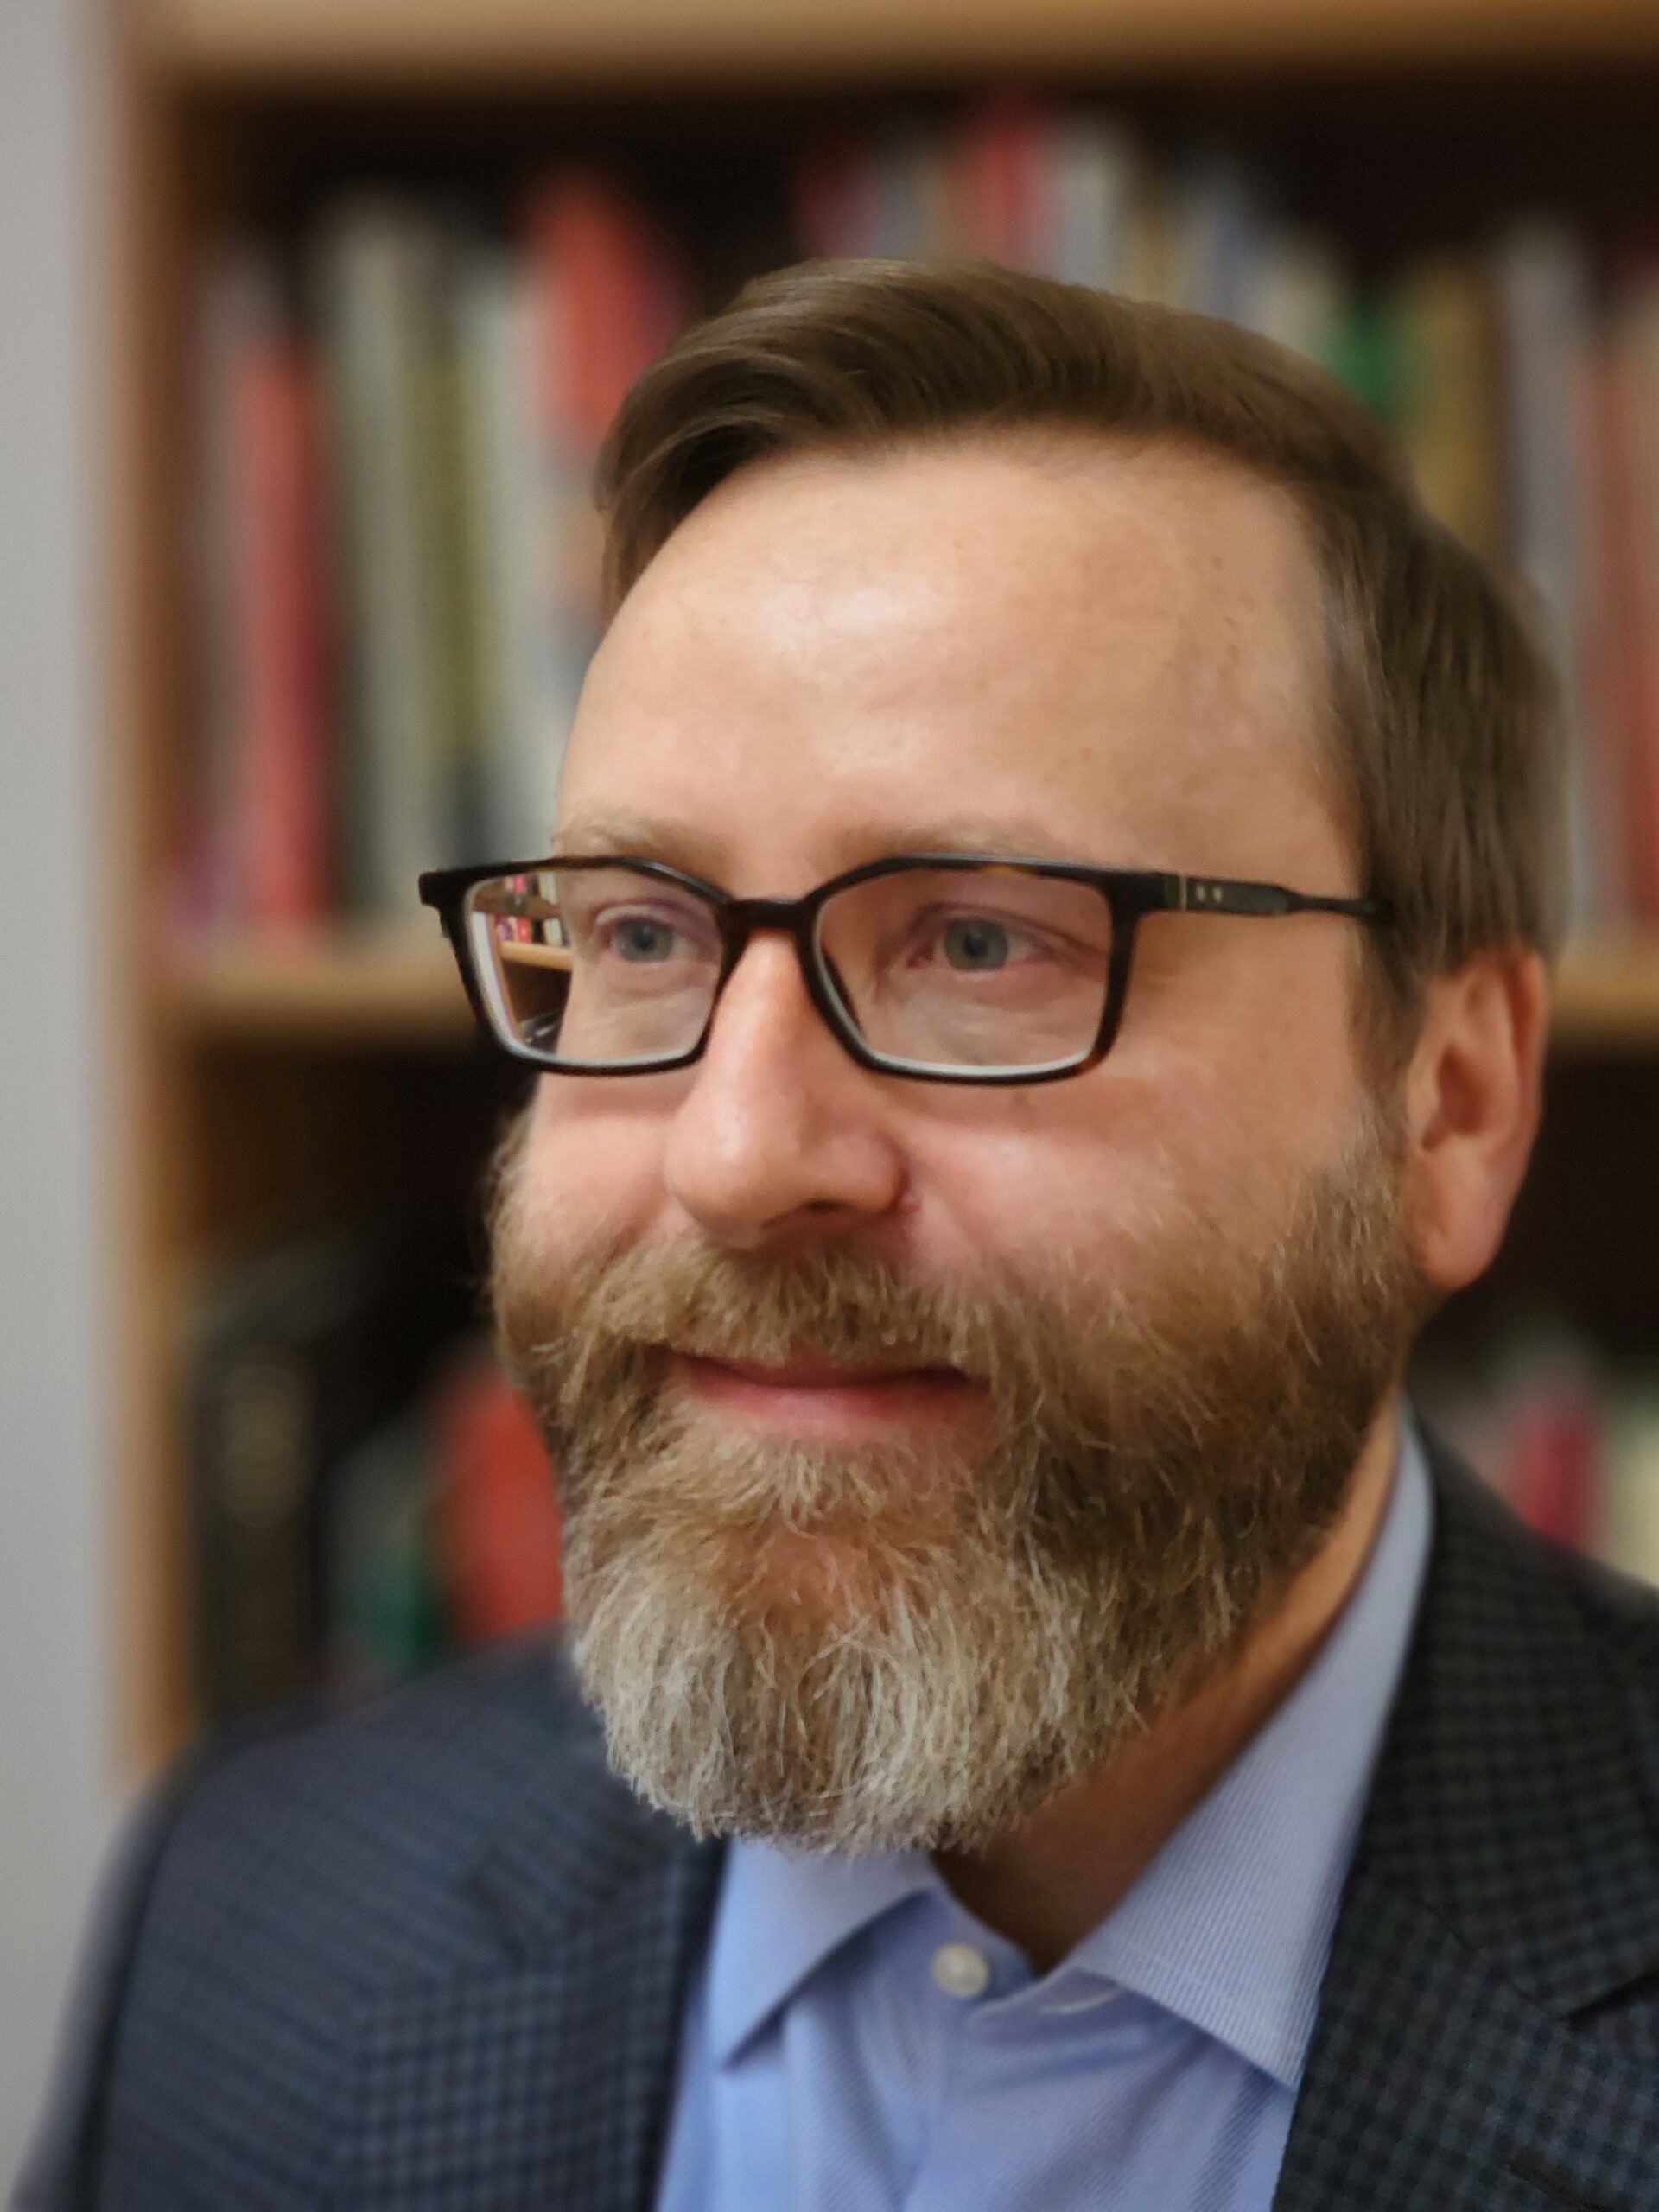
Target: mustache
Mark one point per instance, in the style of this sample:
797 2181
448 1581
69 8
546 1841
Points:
1105 1381
828 1303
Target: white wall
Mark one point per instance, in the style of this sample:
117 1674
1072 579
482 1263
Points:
57 1776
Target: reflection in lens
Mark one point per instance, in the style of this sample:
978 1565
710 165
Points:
596 966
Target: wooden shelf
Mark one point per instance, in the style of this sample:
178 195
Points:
444 44
377 991
1607 998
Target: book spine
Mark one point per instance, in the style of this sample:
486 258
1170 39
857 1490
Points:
378 280
1005 185
254 1443
1637 345
283 811
498 1510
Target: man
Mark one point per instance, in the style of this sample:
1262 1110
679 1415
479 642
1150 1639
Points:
1041 991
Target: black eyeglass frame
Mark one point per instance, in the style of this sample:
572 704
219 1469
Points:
1131 895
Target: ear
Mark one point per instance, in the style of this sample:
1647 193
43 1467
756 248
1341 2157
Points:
1473 1093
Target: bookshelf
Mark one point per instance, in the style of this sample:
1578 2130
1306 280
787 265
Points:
684 43
261 1086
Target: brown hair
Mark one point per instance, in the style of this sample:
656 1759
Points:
1447 729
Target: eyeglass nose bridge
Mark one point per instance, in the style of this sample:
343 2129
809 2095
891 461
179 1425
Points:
740 918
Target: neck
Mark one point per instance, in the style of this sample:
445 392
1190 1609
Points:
1047 1883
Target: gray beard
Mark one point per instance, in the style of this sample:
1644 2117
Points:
950 1689
955 1642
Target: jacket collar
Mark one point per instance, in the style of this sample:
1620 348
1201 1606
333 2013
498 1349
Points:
1505 1881
1516 1798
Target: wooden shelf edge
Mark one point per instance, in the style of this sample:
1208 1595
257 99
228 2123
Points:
393 44
1607 998
376 991
368 991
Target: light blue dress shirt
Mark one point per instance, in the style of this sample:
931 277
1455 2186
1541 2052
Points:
856 2039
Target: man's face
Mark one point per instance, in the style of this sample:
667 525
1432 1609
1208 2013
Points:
1047 1388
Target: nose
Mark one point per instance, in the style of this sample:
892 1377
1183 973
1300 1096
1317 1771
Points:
781 1131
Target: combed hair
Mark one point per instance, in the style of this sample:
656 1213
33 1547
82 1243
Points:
1445 718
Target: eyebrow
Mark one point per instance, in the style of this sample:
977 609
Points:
632 835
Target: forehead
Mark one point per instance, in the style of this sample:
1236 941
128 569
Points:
1112 650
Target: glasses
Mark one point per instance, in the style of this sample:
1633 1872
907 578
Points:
946 967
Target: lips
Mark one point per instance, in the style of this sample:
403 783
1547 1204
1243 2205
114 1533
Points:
820 1397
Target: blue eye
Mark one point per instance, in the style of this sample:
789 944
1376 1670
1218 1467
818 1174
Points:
639 939
976 943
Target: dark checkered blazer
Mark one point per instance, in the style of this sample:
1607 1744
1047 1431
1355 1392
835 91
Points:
428 1955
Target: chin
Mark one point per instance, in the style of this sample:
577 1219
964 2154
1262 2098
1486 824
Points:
832 1577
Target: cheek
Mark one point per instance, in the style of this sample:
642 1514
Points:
1131 1164
1086 1172
1248 1057
594 1160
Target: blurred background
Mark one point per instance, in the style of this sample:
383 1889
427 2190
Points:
316 311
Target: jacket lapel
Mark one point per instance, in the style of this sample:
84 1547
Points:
540 2082
1505 1886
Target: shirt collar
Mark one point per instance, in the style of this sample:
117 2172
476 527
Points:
780 1914
1230 1925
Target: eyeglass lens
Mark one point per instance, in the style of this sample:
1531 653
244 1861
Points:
970 970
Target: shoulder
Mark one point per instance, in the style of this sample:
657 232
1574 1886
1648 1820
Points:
355 1817
290 1870
391 1790
1499 1573
1528 1713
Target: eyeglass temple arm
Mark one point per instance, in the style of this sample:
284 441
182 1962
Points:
1218 894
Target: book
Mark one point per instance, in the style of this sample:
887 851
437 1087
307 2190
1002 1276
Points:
282 807
1634 372
1543 295
1216 230
384 1596
1002 171
1095 192
383 276
470 364
1617 657
1443 408
1556 1475
1633 1534
1568 1436
496 1508
292 1358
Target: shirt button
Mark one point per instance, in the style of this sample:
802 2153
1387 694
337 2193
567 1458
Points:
960 1970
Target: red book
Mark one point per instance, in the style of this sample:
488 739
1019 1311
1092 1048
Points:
1555 1481
612 298
498 1514
1005 183
282 803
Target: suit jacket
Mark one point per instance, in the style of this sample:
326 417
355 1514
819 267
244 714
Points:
430 1954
